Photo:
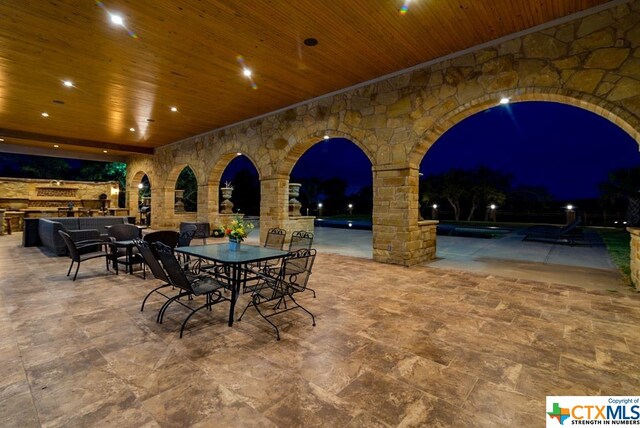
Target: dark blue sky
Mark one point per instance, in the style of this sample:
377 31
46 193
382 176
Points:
563 148
566 149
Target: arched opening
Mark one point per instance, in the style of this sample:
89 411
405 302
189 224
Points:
242 176
527 165
336 180
524 156
186 191
144 200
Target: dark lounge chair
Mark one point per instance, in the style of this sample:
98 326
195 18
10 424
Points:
87 249
189 285
570 234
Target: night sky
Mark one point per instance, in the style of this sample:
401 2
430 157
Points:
566 149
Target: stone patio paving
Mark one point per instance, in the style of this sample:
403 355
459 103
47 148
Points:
393 346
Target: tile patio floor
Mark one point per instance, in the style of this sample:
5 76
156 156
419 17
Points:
393 346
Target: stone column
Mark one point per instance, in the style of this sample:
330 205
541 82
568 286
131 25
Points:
635 255
274 203
397 236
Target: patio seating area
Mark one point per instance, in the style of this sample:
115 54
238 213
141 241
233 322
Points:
392 346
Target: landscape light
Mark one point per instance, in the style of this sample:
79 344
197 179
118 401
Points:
326 137
492 206
569 207
504 100
319 204
434 206
140 185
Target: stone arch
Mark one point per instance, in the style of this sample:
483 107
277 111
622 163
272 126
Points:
622 118
166 194
214 175
295 152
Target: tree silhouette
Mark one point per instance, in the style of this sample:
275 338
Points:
187 181
624 183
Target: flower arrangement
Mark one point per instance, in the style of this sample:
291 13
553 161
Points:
238 229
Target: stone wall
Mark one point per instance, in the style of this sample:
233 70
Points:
592 62
26 193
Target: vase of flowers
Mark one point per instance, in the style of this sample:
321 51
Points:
237 230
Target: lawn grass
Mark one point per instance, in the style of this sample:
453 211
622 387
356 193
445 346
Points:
618 244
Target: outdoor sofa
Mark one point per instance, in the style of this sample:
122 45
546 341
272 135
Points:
79 228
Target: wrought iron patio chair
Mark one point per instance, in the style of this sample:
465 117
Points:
202 230
275 239
301 239
276 289
150 259
87 249
167 237
184 240
189 284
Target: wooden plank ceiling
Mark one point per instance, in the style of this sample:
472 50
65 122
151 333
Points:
183 53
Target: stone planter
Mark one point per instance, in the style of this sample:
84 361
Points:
294 204
226 207
179 206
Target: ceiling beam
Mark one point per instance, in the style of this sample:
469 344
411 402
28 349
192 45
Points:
25 135
59 153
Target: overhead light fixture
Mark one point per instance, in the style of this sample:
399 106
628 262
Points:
44 114
132 129
326 137
311 41
55 146
116 19
504 100
174 109
246 71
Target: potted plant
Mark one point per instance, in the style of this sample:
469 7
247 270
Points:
237 230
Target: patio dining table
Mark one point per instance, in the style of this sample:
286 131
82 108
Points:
237 262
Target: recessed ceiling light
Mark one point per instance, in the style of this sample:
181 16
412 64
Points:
504 100
246 72
116 19
44 114
104 151
310 41
326 137
68 83
56 146
132 129
174 109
